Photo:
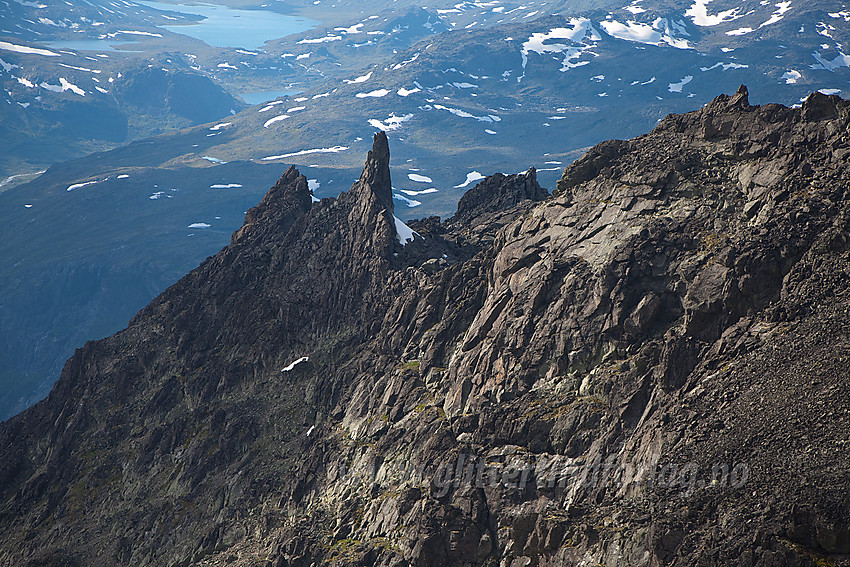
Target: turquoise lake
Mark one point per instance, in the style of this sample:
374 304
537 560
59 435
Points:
229 27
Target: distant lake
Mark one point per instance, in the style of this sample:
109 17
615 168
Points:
228 27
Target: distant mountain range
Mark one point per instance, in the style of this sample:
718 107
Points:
463 90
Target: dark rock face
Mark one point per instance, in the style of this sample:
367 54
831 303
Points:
497 194
647 368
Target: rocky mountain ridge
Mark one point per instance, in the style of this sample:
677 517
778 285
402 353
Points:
553 70
539 380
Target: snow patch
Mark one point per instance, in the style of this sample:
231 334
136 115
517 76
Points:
95 71
321 39
409 202
398 66
351 30
6 46
419 178
392 122
415 193
130 32
677 87
271 121
331 150
373 94
724 66
64 85
635 8
404 233
781 8
271 105
700 17
791 76
295 363
579 35
464 114
361 79
312 185
841 60
640 32
471 177
8 66
79 185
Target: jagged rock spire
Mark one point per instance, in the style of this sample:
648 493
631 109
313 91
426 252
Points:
375 179
741 98
724 103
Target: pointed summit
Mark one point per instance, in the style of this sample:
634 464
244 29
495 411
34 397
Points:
723 103
741 98
286 200
719 116
375 179
380 147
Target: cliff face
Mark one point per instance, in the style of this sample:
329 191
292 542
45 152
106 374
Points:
649 367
